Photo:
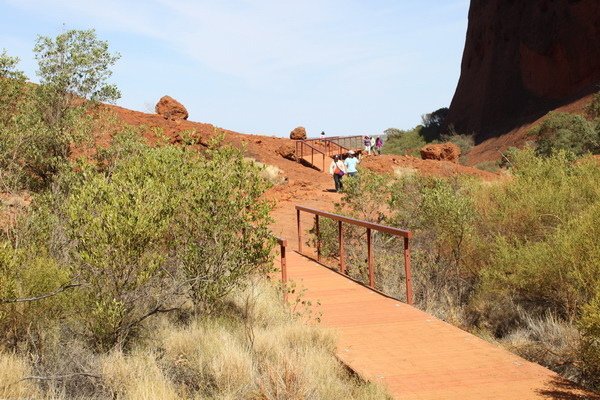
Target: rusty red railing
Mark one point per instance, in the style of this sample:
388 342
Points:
407 235
326 147
300 147
283 262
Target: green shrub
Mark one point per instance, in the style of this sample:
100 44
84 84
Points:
568 132
589 325
27 274
464 142
41 124
592 110
404 142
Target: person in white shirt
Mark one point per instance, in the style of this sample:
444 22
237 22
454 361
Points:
337 169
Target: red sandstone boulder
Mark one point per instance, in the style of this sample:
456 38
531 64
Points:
171 109
441 152
287 151
298 134
523 59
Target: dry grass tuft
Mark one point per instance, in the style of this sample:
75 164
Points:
269 172
253 348
547 340
136 376
402 172
12 371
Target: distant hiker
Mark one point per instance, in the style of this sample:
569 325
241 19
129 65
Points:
367 143
351 163
373 144
378 145
337 169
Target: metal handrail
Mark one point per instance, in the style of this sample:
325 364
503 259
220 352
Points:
300 154
407 235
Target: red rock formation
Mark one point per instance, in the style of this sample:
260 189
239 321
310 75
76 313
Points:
287 150
298 133
523 59
441 152
171 109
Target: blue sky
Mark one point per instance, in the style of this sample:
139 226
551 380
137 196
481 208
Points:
267 66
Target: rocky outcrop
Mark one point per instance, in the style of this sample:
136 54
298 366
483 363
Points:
441 152
523 59
171 109
298 133
287 151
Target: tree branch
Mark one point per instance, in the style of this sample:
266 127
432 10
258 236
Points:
41 297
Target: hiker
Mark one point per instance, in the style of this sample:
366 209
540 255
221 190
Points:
378 145
367 143
351 162
373 149
337 169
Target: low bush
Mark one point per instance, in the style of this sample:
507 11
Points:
568 132
404 142
592 110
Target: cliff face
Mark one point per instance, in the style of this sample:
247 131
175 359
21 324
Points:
523 59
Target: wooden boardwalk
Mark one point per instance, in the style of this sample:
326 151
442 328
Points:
415 355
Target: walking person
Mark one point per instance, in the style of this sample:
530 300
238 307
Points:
337 169
351 162
373 149
367 143
378 145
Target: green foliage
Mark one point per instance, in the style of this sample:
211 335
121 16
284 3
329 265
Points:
592 111
464 142
432 124
589 325
404 142
76 63
568 132
40 125
28 273
490 166
145 231
12 87
411 141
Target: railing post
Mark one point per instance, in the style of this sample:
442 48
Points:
370 259
299 231
323 162
341 248
283 262
318 238
407 272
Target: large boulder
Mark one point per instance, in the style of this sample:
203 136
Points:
298 133
441 152
522 59
171 109
287 151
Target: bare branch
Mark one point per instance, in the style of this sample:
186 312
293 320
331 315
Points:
41 297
